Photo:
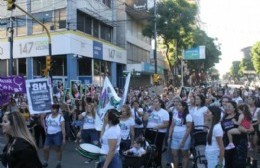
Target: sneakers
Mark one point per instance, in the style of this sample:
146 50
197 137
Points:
230 146
45 164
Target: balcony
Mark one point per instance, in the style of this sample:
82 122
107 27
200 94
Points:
137 9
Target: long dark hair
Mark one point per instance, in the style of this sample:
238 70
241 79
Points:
113 116
216 112
185 112
202 99
234 104
246 111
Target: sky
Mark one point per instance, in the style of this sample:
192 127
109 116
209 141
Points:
236 25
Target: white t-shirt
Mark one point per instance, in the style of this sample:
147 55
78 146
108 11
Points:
137 151
157 118
113 132
255 113
198 115
178 122
133 115
192 109
217 132
89 121
125 126
54 124
238 100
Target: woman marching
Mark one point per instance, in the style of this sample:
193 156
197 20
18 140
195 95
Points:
127 124
236 157
110 141
21 150
89 134
55 135
157 124
179 134
215 148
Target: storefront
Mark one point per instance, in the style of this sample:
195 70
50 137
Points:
75 55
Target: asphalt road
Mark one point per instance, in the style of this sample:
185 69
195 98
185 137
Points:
71 157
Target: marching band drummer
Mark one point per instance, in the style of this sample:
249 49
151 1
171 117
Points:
110 141
89 134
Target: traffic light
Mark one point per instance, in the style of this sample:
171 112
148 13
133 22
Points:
156 78
48 63
10 4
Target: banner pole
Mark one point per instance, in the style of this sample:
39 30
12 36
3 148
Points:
182 68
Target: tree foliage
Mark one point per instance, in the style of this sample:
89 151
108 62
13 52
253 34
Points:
255 54
245 65
234 70
175 21
176 27
212 51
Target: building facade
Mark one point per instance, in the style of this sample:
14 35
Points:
90 39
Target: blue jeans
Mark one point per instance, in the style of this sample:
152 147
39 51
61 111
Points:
115 163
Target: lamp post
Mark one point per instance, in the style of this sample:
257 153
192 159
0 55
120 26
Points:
11 41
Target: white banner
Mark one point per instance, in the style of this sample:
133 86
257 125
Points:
107 100
39 93
126 88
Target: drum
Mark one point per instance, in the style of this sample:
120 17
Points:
89 151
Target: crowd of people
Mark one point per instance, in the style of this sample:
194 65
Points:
166 119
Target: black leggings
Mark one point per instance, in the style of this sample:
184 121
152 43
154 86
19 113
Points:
39 133
158 139
236 158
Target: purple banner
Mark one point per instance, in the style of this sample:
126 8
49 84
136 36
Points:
13 84
4 99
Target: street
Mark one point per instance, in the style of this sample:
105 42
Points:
71 158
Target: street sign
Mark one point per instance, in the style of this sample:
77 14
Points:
194 53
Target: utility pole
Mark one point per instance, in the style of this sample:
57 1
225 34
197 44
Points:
11 41
155 42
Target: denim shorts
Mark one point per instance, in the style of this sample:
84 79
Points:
53 139
177 139
90 136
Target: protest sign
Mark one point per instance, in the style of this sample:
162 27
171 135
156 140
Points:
12 84
39 93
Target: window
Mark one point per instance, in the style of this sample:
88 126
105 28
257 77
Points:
59 19
88 25
20 24
84 65
59 65
3 69
22 66
38 65
3 28
95 28
84 23
105 32
102 68
80 21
